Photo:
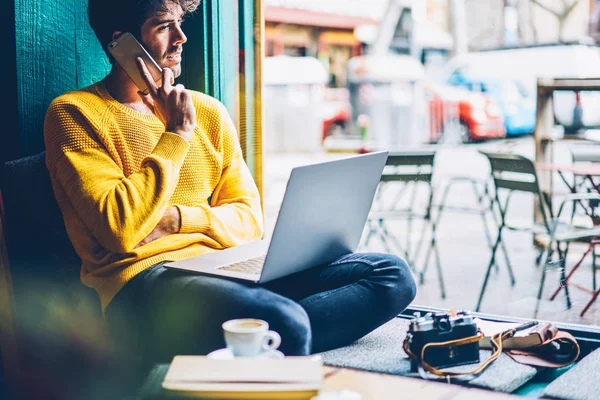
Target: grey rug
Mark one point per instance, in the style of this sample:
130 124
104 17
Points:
381 351
581 382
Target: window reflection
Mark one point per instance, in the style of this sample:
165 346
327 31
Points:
455 79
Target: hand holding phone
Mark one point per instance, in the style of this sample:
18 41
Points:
173 105
125 49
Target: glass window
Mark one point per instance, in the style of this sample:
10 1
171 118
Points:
391 98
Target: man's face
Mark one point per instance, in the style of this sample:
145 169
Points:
162 36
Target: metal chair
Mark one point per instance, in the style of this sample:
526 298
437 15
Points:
594 291
583 153
514 173
405 173
484 202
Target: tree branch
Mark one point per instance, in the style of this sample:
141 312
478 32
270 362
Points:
570 8
548 9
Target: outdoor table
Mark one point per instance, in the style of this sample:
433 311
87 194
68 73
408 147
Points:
589 171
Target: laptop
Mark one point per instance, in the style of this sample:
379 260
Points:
322 217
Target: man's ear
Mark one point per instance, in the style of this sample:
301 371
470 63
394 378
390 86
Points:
116 34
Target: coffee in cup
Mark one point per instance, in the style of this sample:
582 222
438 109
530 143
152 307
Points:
249 337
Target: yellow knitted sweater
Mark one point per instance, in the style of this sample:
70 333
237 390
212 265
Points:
114 172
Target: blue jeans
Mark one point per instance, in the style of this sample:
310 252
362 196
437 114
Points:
162 312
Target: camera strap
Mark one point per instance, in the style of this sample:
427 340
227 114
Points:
448 376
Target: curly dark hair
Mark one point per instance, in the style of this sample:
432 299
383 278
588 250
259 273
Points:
107 16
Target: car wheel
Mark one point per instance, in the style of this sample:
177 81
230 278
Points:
455 132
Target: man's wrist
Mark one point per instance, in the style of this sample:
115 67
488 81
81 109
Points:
175 224
185 132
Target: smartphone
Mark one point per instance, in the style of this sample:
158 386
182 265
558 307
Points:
125 49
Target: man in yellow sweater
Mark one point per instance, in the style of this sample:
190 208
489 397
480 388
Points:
141 179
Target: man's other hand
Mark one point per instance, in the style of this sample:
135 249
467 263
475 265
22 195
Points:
169 224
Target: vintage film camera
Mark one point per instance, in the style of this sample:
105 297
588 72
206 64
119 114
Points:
442 327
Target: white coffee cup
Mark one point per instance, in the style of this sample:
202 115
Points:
249 337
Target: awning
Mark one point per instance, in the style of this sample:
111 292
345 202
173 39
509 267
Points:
313 18
339 38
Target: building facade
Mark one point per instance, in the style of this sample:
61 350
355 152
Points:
323 29
496 23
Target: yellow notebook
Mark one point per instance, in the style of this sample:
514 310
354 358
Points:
244 378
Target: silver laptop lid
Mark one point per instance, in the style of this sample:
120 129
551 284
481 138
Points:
323 213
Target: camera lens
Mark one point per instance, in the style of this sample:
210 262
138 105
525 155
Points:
444 325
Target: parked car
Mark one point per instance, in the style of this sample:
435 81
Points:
526 64
456 114
516 104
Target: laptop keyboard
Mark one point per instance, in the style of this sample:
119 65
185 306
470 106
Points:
251 266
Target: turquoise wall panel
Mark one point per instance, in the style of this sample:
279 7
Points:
56 51
210 64
220 29
9 112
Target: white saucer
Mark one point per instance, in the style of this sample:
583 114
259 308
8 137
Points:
226 354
